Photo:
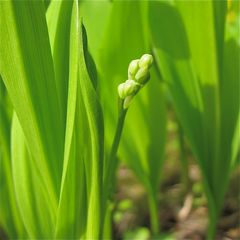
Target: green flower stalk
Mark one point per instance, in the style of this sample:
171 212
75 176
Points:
138 74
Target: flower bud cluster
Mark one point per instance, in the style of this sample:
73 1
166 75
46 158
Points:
138 76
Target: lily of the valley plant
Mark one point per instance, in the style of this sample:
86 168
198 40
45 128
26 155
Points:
63 110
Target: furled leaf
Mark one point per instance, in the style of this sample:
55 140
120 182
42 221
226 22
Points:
93 158
83 145
71 214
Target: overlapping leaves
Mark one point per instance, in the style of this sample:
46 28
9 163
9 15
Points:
42 64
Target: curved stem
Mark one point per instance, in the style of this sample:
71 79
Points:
111 163
111 166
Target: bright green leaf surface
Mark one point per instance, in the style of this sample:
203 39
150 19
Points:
83 146
9 214
37 214
195 62
27 71
58 20
71 214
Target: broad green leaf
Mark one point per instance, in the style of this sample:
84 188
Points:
46 3
229 87
27 70
211 59
37 213
199 62
95 16
177 68
229 107
173 59
9 215
202 34
58 20
93 131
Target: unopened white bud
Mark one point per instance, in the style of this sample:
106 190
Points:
145 61
142 75
138 74
121 91
128 88
133 68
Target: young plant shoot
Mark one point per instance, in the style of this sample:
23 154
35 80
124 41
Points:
138 76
